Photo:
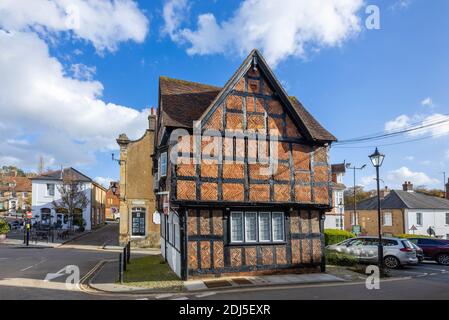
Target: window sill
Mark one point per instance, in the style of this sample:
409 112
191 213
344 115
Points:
249 244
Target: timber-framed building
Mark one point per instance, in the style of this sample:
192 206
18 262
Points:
248 192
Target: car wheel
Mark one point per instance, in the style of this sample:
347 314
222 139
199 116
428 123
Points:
392 262
443 259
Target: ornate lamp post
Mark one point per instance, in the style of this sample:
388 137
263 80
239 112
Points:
377 159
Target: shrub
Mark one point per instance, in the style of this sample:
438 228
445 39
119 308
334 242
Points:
332 236
340 259
407 235
4 227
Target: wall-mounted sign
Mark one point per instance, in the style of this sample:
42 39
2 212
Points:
156 217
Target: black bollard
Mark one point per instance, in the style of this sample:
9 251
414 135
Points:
128 252
120 268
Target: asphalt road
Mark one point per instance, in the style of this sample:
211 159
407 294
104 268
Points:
23 272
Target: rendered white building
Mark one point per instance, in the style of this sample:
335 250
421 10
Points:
45 191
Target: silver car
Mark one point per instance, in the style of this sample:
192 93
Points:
397 252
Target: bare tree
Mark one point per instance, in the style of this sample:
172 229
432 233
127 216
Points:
73 196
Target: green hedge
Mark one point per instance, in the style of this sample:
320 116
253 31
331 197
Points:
340 259
4 227
407 235
333 236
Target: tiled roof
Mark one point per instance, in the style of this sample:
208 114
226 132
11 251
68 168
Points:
183 102
338 168
56 175
22 184
316 130
398 199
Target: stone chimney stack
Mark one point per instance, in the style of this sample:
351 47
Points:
152 120
384 192
407 186
447 189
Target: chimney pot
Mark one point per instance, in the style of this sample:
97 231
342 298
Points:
407 186
152 120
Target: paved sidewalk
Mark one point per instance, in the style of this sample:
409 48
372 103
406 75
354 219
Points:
105 279
273 280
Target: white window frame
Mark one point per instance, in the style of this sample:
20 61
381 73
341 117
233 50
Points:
163 173
245 224
353 218
385 220
269 226
338 222
282 226
420 218
47 193
243 228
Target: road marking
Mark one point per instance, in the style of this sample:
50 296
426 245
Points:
206 294
433 269
142 299
34 265
180 298
165 295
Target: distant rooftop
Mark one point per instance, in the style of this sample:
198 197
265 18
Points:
399 199
56 175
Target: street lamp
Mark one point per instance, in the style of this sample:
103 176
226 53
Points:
114 188
354 168
377 159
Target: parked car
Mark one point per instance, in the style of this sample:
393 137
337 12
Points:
434 249
397 252
419 252
14 225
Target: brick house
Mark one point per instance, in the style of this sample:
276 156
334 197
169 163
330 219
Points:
242 175
112 201
15 194
401 212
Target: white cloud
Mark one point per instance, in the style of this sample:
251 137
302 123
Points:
400 4
82 72
61 117
367 180
435 125
103 23
279 30
427 102
409 158
447 154
174 13
399 123
405 174
104 181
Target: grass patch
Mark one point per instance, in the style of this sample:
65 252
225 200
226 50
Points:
151 272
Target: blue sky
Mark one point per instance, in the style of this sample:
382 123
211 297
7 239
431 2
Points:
352 79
